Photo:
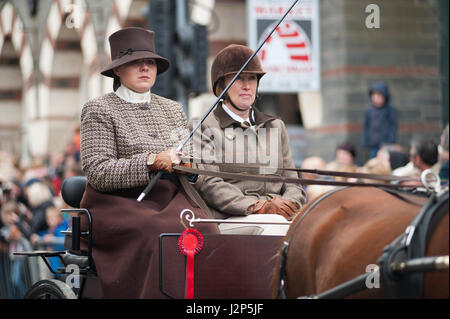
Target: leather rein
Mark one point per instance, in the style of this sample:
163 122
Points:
277 178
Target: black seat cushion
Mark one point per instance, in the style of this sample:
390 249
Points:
72 190
79 260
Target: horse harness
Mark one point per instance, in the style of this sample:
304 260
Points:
402 264
397 280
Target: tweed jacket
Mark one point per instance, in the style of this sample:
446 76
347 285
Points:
117 136
232 197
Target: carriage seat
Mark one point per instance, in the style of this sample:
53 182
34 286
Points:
71 257
72 190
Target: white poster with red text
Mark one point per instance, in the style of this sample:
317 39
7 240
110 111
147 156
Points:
291 56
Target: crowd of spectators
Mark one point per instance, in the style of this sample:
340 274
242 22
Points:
390 159
30 204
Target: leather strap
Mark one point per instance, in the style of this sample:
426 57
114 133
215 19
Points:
409 245
194 195
302 170
278 179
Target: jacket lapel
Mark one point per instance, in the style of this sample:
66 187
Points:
226 121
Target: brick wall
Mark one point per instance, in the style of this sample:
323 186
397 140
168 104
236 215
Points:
403 52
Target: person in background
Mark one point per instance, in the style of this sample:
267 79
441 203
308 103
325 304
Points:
345 157
15 242
39 198
313 191
10 213
380 120
409 169
423 155
377 166
426 156
52 237
397 159
56 223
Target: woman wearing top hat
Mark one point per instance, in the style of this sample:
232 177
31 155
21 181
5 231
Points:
126 135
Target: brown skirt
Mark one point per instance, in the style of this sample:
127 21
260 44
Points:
125 236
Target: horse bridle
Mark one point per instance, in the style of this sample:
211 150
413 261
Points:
409 246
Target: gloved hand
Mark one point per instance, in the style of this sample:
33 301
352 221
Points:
165 160
276 205
286 207
187 164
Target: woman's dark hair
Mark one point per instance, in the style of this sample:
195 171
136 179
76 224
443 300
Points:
398 159
347 146
428 152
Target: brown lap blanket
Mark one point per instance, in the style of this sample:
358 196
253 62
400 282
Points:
125 236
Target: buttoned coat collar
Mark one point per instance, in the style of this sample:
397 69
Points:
226 120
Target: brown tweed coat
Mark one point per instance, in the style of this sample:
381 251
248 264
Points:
116 137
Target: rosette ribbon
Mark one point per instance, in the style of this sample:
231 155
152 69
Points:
190 243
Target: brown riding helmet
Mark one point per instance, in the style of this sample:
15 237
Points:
230 60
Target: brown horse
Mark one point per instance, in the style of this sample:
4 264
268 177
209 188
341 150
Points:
339 234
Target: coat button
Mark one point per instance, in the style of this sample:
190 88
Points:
229 136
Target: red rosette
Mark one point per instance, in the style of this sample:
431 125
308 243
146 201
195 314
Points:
190 243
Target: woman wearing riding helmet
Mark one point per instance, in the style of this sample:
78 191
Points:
238 133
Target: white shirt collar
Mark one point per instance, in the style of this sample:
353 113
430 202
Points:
233 115
133 97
